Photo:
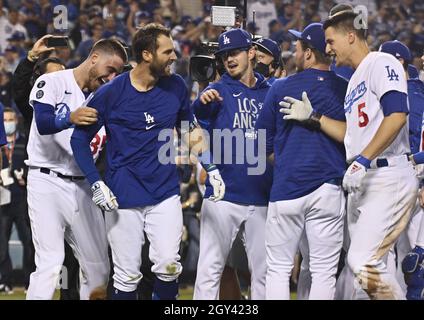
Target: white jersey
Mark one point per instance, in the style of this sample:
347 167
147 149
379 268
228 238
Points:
60 90
376 75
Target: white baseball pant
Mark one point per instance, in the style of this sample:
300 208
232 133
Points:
320 214
163 224
376 217
60 209
219 224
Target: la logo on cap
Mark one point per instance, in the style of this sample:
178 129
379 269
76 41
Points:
308 37
226 39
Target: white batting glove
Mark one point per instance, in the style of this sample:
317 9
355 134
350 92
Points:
103 196
296 109
352 180
218 185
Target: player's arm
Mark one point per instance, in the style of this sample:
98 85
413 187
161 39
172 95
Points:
267 120
44 98
50 123
80 144
302 110
196 137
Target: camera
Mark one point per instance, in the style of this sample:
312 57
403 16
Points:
204 66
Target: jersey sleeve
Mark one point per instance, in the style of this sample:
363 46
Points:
83 135
267 118
388 75
45 90
207 112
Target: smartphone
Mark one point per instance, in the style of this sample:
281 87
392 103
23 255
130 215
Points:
58 42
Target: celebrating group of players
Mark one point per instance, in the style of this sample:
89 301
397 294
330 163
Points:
304 198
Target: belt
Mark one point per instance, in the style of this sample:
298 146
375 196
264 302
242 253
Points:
58 174
389 162
335 181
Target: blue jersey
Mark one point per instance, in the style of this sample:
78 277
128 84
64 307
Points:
237 112
271 80
3 140
303 159
133 121
416 109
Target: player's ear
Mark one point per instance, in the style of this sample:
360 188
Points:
308 54
351 37
94 58
251 53
147 56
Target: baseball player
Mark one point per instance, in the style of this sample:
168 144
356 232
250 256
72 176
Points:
58 196
306 195
136 108
408 238
268 59
232 105
380 180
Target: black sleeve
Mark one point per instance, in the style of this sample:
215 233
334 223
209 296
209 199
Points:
21 87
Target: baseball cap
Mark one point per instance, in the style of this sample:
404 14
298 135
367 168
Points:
233 39
313 34
397 49
270 46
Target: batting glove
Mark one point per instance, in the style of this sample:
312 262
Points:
103 196
355 174
296 109
218 185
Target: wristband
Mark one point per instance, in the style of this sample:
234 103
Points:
364 161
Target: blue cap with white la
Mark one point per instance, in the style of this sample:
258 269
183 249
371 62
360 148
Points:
234 39
270 46
313 34
397 49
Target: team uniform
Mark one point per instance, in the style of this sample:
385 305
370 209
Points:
246 196
409 236
377 216
59 198
147 189
307 201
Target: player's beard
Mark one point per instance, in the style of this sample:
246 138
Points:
158 69
94 79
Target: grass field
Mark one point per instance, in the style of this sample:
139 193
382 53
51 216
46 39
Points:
19 294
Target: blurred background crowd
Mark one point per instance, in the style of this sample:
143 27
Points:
23 22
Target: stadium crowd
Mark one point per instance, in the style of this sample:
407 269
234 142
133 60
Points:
23 22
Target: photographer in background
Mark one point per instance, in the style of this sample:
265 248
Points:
21 80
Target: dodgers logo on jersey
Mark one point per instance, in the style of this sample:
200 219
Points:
391 74
150 120
354 95
61 109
